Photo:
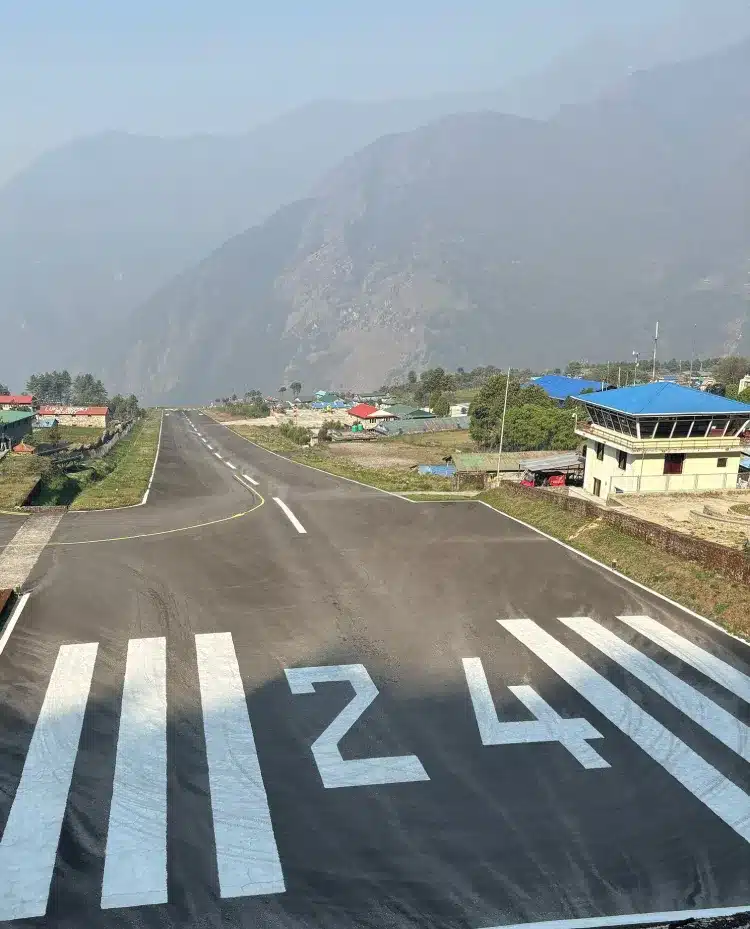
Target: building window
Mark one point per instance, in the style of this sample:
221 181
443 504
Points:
622 460
597 487
721 462
673 463
600 451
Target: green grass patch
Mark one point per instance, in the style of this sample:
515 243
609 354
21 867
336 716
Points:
19 475
77 435
696 587
121 477
396 479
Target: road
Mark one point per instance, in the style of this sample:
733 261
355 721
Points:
209 717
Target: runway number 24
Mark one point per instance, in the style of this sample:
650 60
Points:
335 771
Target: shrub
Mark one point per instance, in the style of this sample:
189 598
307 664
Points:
297 434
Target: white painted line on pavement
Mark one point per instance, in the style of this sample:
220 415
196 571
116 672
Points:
290 516
630 919
712 717
22 552
29 845
135 867
205 441
247 856
251 479
153 470
230 465
14 617
218 456
717 792
714 668
209 447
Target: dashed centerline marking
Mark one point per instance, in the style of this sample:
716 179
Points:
210 447
251 479
218 456
290 516
230 465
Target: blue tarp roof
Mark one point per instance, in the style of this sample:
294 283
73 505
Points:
745 463
438 470
560 387
663 399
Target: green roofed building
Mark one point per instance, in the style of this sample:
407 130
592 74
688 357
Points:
404 411
14 425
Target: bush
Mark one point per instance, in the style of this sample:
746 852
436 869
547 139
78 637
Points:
297 434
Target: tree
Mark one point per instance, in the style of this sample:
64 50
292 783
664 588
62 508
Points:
534 428
282 390
123 409
574 369
486 410
88 391
440 405
54 435
296 388
730 370
411 378
744 396
4 389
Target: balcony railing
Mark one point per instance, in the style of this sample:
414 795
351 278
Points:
632 444
671 483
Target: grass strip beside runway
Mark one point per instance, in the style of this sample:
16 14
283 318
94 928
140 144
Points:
706 592
395 479
128 469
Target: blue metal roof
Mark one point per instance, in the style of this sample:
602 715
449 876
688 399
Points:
663 399
560 387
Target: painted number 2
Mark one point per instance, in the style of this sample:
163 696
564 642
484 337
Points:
334 770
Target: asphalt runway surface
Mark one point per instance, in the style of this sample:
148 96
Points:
274 698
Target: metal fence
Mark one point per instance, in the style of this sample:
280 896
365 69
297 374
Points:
671 483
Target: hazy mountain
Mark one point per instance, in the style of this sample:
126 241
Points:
484 237
92 229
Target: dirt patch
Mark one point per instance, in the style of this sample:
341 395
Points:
684 513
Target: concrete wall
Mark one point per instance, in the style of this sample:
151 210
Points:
645 473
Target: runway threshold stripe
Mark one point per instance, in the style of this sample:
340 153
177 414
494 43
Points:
713 718
714 668
247 856
135 867
290 516
708 785
29 845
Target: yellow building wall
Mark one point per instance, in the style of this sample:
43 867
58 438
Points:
645 474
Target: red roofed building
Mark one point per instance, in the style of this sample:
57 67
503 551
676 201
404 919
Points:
16 402
92 416
362 411
77 415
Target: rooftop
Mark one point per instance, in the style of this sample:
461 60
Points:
20 399
560 387
663 398
404 411
14 416
362 410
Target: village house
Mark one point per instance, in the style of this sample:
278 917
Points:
75 415
14 425
24 402
660 438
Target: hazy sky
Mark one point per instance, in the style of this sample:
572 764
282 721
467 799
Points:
70 67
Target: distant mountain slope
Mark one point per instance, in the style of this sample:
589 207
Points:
484 237
91 230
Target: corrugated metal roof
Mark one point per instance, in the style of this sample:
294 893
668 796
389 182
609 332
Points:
93 411
438 470
663 399
14 416
404 411
412 426
487 461
20 399
560 387
362 410
560 462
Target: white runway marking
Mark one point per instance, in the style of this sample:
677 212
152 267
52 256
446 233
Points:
230 465
23 551
32 832
251 479
714 668
719 794
713 718
290 516
209 447
135 867
247 857
355 772
548 726
219 456
15 616
630 919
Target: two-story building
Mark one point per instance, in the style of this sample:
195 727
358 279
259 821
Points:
660 438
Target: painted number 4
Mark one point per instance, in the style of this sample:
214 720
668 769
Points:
335 771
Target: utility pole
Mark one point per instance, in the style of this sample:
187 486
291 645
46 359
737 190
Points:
692 354
656 341
636 355
619 373
502 423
